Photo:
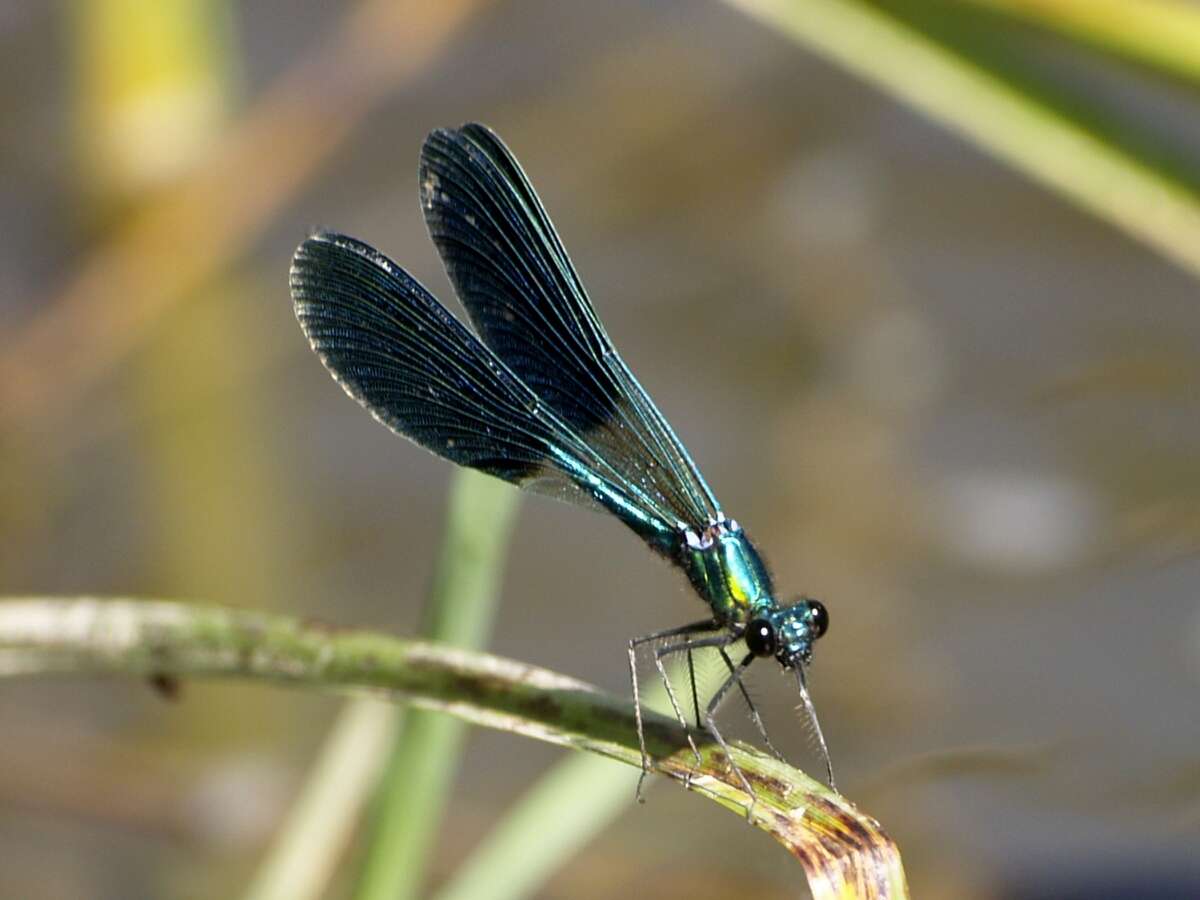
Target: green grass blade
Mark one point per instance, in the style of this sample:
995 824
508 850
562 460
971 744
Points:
1160 34
1110 181
460 611
564 810
306 851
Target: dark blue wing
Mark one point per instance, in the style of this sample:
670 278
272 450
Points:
526 301
419 371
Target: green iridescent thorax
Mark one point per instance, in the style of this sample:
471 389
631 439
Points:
727 572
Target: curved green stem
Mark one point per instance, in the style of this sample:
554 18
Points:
844 852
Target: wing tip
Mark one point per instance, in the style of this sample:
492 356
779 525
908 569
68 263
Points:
325 243
309 274
307 250
456 134
471 139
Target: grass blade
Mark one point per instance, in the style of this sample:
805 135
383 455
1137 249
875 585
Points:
1006 121
460 611
306 852
1157 33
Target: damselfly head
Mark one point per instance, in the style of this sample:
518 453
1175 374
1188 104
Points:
788 633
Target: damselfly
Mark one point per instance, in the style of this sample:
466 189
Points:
540 398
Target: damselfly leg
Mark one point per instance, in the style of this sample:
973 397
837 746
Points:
720 642
710 719
686 631
754 716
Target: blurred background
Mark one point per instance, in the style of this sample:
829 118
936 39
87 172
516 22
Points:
954 398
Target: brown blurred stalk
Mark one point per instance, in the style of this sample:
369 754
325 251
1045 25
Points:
188 232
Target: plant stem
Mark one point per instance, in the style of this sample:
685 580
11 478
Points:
844 852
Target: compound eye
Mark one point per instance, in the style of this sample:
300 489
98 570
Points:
760 637
818 617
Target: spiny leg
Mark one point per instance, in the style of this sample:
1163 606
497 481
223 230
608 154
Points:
710 718
691 663
758 722
802 683
687 646
707 625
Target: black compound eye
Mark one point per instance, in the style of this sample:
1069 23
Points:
818 617
760 637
